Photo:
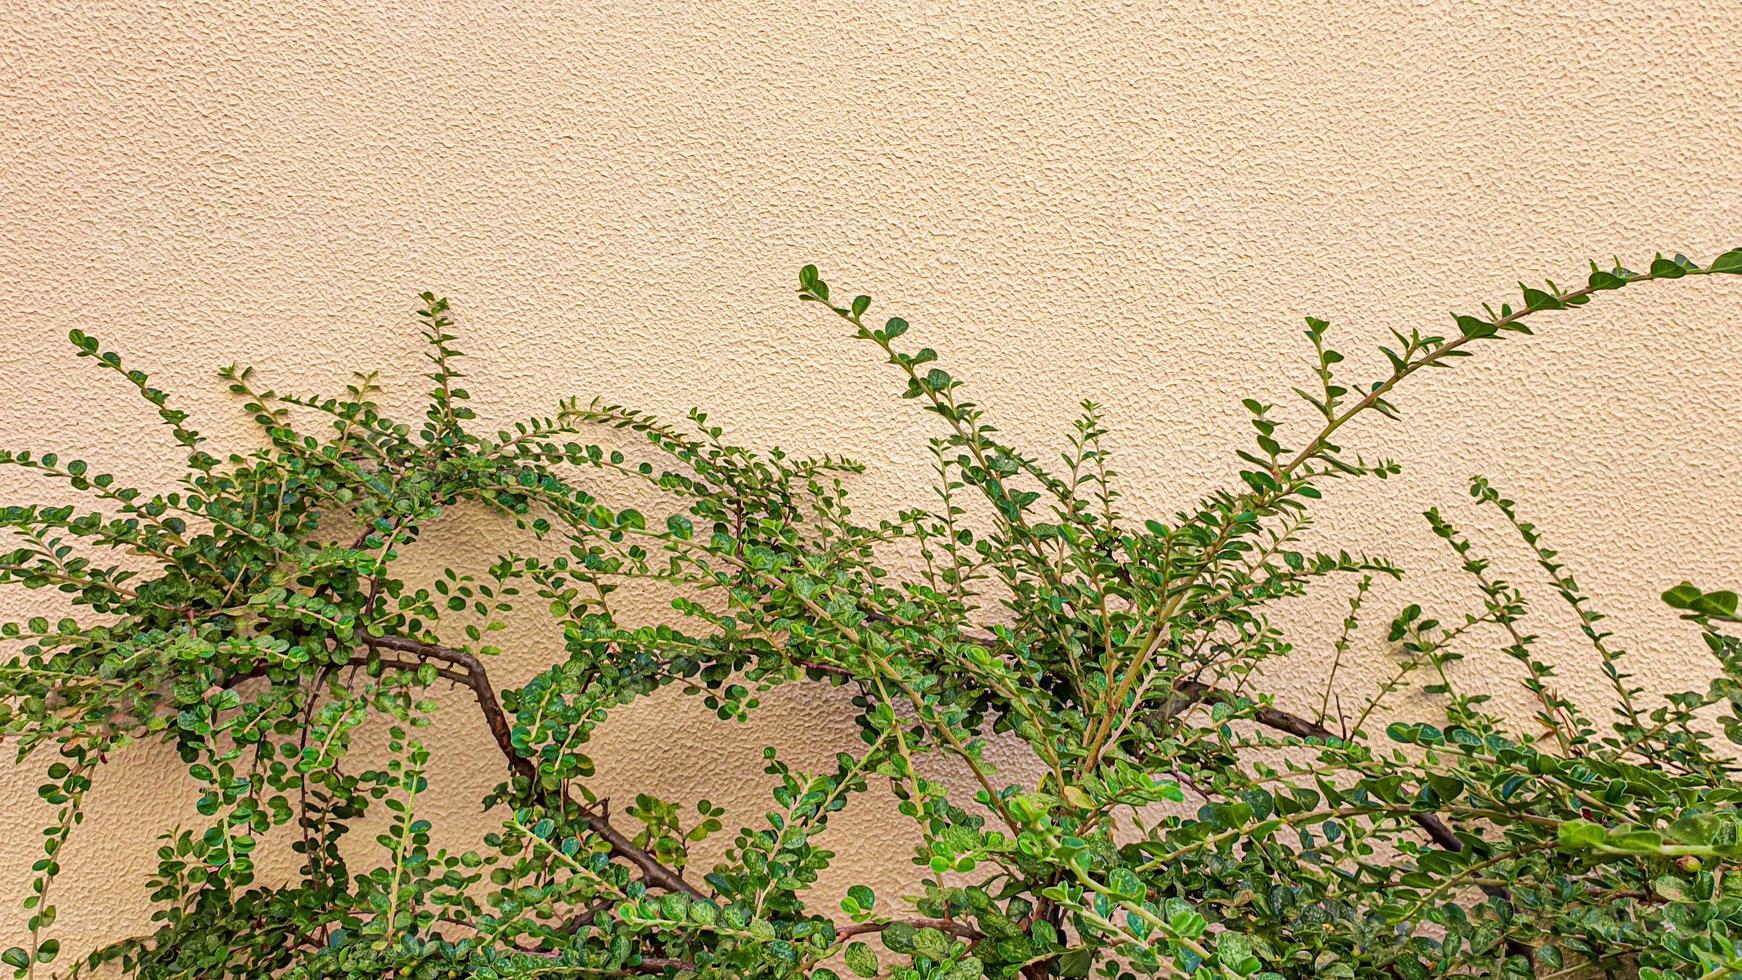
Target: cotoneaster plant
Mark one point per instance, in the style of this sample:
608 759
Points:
258 619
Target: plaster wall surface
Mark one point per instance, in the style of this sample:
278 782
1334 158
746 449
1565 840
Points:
1129 202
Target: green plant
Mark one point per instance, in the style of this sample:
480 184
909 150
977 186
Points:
256 619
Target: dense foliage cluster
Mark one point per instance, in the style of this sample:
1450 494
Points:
256 618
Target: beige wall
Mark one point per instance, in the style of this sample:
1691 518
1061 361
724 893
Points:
1131 202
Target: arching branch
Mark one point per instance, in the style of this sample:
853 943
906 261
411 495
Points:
472 674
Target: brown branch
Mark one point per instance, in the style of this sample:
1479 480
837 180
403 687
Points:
475 678
1282 721
586 916
471 673
478 680
1275 718
1192 692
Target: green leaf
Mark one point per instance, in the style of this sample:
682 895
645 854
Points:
1716 604
1126 885
1234 949
1697 828
1636 841
1076 963
932 943
1536 299
1473 328
1672 889
1682 596
863 897
899 937
860 959
1579 835
1663 268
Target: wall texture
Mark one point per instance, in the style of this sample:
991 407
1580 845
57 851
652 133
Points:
1131 202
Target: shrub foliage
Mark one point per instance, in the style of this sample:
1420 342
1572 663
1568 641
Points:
1174 819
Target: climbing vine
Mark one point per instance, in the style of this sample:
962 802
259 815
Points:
260 617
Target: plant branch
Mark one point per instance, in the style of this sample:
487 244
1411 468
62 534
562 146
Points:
475 678
1193 692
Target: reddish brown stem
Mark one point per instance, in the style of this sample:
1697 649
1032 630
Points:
1282 721
473 676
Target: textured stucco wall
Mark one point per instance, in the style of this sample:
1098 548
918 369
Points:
1130 202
